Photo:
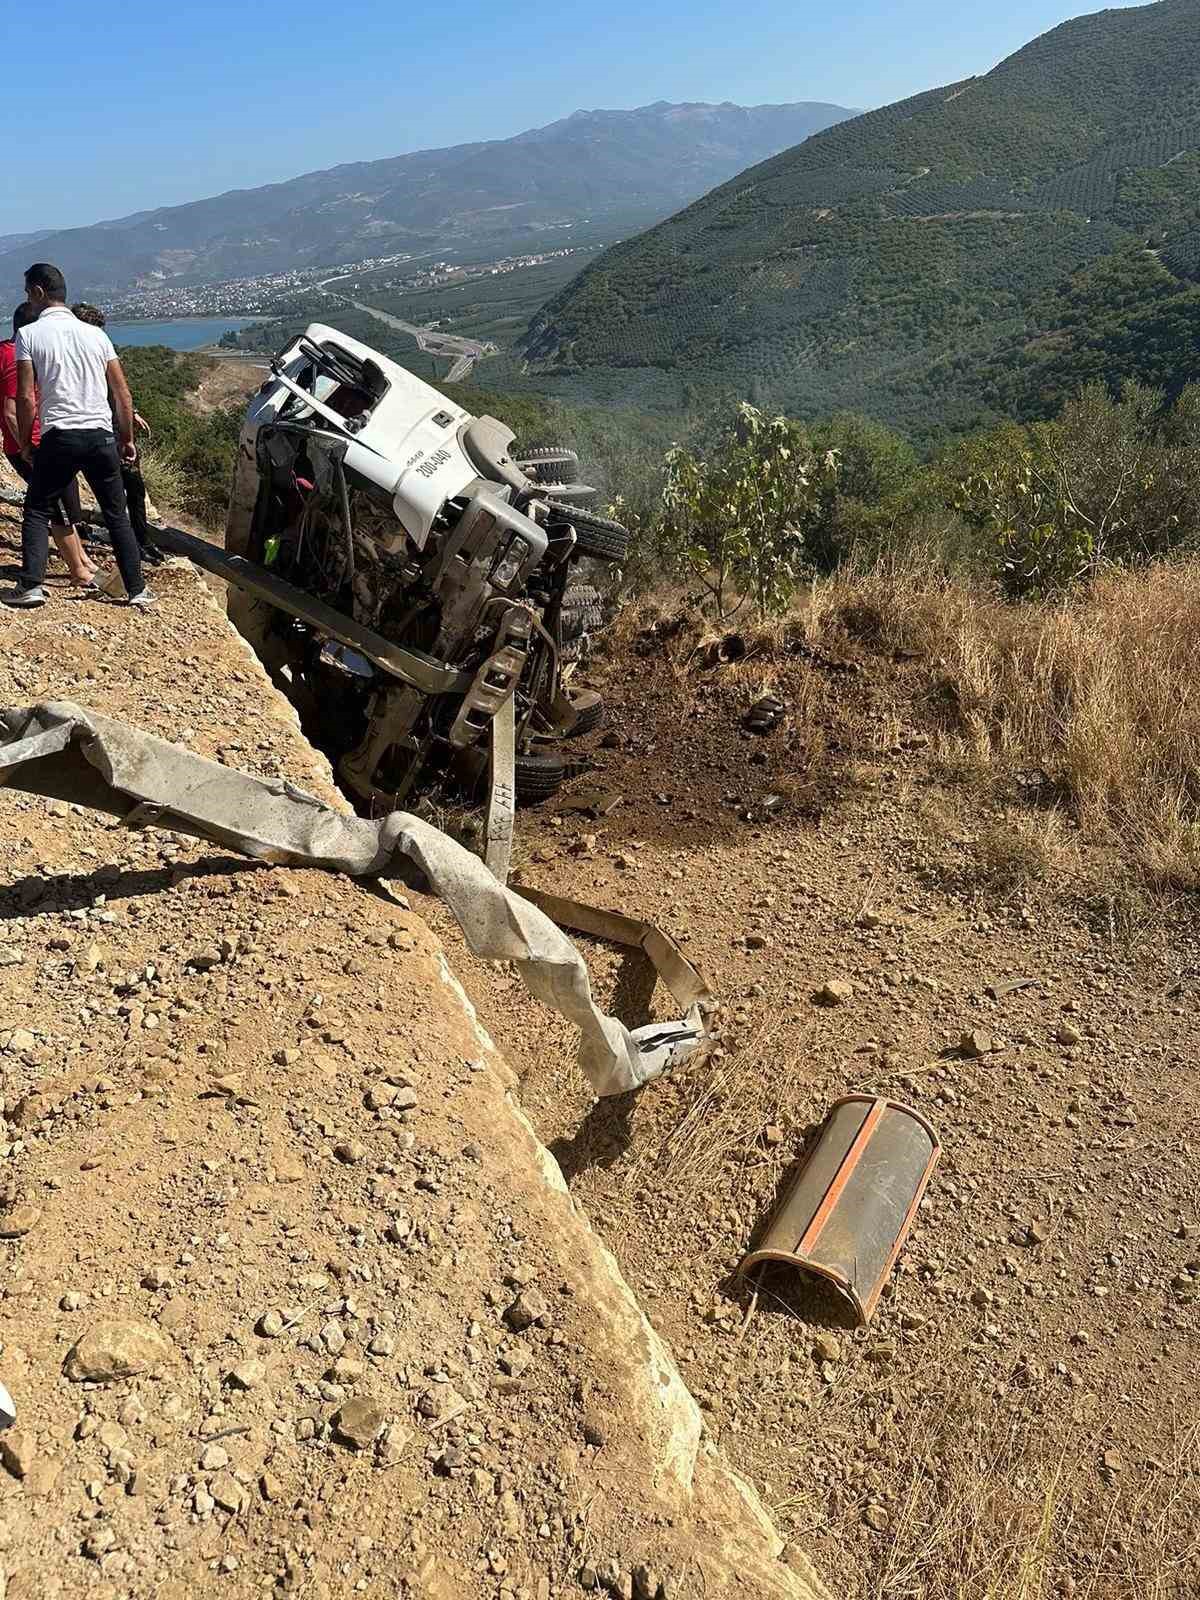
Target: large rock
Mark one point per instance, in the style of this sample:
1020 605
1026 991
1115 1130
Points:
17 1451
113 1350
837 992
357 1423
17 1223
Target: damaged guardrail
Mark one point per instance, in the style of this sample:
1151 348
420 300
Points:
61 750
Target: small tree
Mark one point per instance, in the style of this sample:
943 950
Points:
738 519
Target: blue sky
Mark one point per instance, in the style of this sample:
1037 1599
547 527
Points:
153 102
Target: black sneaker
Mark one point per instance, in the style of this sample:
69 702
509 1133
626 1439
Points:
24 599
153 556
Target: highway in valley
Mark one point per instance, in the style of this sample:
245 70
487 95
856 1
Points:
461 353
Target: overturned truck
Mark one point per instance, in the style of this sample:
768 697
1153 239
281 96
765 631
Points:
411 576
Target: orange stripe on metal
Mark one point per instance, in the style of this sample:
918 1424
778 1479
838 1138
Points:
845 1172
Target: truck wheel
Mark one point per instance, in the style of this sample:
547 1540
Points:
582 615
596 536
547 463
538 777
582 612
589 709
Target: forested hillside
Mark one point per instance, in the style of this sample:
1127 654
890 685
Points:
980 246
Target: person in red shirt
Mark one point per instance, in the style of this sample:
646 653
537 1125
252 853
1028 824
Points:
68 513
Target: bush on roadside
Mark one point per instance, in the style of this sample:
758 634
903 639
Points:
188 460
205 456
874 500
740 519
1111 482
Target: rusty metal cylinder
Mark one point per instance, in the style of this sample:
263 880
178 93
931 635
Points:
847 1214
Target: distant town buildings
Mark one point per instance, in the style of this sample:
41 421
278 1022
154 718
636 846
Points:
267 296
241 297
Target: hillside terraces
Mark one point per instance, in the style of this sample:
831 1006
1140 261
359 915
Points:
879 264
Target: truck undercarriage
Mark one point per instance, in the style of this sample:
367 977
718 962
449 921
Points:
411 577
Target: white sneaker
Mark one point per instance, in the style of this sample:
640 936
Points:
143 601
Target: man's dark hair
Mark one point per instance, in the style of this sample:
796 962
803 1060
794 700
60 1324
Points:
41 275
23 316
90 314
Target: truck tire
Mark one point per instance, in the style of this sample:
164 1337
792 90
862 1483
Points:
598 537
582 615
547 463
582 611
589 712
539 777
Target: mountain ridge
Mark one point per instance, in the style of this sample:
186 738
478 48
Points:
839 273
610 163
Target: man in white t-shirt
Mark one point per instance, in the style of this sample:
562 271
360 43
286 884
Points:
75 368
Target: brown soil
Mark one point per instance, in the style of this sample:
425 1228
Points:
226 383
1019 1420
247 1119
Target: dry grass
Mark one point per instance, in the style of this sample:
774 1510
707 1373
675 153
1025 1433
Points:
1095 694
994 1508
166 481
1093 698
1020 851
733 1099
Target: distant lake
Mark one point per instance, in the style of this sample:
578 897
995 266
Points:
188 333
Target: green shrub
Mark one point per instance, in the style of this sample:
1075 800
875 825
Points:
876 475
1110 482
206 456
189 458
740 518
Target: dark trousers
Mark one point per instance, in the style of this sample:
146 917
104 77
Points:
66 511
62 453
135 499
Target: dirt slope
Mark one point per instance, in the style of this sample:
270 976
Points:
189 1123
1026 1393
227 382
257 1156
